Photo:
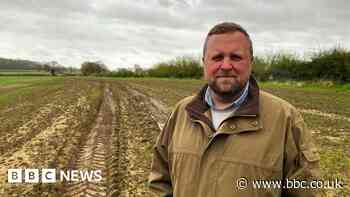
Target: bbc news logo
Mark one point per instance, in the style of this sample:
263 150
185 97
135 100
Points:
52 175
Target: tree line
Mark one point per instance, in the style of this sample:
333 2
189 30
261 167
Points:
180 67
332 64
16 64
51 67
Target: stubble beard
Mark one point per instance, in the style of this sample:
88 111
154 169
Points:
225 95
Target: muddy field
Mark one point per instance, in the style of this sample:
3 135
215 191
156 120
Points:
111 125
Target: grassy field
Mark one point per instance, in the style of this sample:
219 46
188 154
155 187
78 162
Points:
14 88
16 80
72 122
23 73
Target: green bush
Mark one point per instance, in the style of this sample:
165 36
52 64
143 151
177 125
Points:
331 64
261 69
180 67
123 72
93 68
284 66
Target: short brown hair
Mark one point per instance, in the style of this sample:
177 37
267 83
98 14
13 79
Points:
227 27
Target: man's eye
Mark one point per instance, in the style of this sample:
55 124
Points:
235 57
217 57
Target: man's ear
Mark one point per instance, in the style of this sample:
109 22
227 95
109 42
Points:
251 65
204 69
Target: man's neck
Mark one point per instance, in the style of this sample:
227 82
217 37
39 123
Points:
223 103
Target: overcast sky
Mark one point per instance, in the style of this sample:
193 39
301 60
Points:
122 33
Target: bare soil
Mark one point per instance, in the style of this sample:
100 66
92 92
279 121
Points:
112 126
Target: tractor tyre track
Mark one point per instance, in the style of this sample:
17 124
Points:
139 129
94 154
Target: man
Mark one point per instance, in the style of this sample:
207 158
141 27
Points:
231 134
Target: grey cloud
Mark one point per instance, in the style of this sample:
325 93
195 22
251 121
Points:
60 8
122 33
286 15
150 14
165 3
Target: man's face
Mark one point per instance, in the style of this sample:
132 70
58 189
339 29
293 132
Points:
227 63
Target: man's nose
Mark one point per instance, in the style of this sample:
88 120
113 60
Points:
226 64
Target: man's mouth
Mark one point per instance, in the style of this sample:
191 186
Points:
225 76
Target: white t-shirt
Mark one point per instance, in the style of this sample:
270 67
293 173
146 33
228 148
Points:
220 115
